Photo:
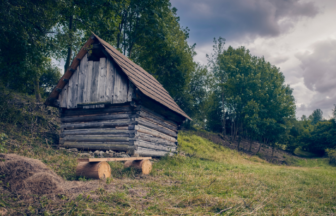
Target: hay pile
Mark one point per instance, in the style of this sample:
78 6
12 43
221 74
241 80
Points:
27 176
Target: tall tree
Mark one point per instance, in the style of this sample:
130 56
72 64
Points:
257 101
219 76
316 116
25 41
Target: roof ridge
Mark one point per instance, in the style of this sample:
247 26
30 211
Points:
163 95
143 80
143 73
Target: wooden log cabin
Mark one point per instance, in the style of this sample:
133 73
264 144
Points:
107 102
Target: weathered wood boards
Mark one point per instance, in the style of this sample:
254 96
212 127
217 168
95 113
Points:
98 170
107 110
99 131
104 124
120 87
112 159
120 128
96 82
62 82
82 73
102 79
119 146
155 136
95 118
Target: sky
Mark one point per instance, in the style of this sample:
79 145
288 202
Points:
299 37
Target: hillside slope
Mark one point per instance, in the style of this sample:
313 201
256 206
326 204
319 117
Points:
203 179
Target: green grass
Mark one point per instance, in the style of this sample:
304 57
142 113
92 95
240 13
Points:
203 179
299 152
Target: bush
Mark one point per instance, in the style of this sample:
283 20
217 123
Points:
332 156
3 138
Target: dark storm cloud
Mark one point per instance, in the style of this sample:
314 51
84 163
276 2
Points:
319 66
319 73
236 19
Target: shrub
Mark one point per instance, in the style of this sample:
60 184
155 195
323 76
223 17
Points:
332 156
3 138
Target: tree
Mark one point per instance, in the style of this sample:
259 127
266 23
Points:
316 116
219 77
257 101
25 41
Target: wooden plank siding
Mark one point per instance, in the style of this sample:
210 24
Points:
96 82
110 75
120 87
83 68
64 96
88 82
154 136
102 84
73 90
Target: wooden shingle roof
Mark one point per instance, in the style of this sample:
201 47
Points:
144 81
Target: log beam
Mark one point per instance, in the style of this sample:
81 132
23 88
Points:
98 170
121 146
144 165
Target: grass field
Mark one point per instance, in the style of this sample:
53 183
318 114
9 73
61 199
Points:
204 179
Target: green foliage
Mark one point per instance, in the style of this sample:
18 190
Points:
25 43
49 78
8 113
322 137
316 116
332 156
3 138
252 94
312 135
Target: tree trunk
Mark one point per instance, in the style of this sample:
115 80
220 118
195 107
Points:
236 128
94 170
124 46
231 130
37 89
251 142
259 147
239 135
272 152
144 165
224 117
118 36
67 63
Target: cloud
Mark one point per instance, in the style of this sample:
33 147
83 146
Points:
241 19
319 66
319 74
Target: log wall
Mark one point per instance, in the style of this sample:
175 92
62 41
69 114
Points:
119 127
